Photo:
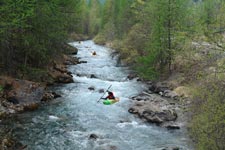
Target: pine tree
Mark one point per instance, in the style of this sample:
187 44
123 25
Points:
32 31
167 19
94 17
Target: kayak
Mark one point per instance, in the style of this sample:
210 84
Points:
110 101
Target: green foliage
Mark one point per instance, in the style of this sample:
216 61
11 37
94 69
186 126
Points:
144 69
34 74
94 17
208 19
207 126
128 55
116 18
139 34
32 31
91 17
100 39
164 35
152 33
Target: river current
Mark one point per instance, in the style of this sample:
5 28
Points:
76 121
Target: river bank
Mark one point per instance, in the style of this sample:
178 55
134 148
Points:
20 95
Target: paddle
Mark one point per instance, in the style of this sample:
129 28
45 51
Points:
104 93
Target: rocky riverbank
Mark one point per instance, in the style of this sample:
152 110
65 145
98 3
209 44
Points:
19 95
163 104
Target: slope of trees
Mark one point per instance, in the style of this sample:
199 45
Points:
32 31
164 38
154 27
208 123
149 34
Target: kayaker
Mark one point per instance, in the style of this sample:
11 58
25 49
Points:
110 99
94 53
110 95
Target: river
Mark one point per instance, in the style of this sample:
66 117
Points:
68 122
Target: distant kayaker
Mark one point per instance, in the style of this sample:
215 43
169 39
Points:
94 53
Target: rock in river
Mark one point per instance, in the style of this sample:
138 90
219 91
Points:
154 111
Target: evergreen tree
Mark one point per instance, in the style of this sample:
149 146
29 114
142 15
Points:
167 19
32 31
94 17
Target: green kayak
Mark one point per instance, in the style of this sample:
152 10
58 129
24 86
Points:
110 101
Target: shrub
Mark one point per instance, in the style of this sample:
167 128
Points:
208 123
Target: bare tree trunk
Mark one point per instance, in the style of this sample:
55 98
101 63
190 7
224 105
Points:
169 36
25 60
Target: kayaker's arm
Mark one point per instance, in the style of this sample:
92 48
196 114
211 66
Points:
104 93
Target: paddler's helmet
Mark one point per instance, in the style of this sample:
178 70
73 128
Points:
110 93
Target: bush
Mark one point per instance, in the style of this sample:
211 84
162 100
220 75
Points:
34 74
100 39
208 124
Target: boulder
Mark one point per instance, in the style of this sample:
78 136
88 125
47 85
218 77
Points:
132 110
59 72
56 95
8 143
70 60
31 107
145 96
93 76
23 91
172 127
60 68
132 76
170 94
60 77
101 90
82 61
2 111
74 53
171 148
93 136
70 48
64 78
183 91
159 87
47 96
50 96
92 88
20 95
154 111
112 147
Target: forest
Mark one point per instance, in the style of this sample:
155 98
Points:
33 32
178 40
